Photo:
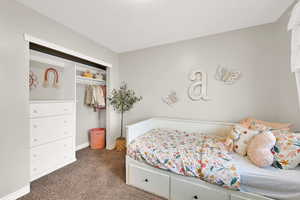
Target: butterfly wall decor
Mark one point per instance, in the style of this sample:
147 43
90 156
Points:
170 99
227 76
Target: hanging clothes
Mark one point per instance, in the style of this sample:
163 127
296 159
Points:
95 97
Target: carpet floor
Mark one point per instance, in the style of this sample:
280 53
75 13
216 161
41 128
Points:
96 175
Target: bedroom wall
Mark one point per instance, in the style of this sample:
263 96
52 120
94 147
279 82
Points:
15 20
265 91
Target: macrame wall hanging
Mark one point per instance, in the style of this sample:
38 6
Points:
198 89
55 73
33 80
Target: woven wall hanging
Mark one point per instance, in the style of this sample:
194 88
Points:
55 83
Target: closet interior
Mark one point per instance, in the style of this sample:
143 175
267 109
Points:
67 99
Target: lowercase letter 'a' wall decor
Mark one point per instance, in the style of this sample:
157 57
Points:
198 89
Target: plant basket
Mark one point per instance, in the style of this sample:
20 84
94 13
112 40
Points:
120 144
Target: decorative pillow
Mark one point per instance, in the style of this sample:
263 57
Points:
286 150
239 138
253 123
259 149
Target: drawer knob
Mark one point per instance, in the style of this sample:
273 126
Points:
66 132
146 180
66 109
65 121
34 155
35 140
34 126
196 197
35 111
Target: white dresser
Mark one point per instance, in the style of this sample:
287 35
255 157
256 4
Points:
52 135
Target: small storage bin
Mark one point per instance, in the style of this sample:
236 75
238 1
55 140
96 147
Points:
97 136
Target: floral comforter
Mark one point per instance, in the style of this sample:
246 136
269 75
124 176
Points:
188 154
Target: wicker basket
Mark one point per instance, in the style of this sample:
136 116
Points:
121 144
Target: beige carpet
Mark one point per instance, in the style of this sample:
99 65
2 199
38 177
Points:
95 175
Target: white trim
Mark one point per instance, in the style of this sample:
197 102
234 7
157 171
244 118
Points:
82 146
17 194
111 146
50 45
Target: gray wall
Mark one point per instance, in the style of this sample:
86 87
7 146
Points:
266 91
15 20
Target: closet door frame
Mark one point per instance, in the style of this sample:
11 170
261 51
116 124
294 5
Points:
109 111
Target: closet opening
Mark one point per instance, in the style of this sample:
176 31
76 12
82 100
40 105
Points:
67 99
53 52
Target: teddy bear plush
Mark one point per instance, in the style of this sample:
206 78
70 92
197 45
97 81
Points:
259 149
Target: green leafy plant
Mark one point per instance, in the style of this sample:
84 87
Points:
122 100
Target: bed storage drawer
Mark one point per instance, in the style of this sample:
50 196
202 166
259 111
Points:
149 181
247 196
185 190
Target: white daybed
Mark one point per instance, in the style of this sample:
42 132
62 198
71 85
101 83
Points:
176 187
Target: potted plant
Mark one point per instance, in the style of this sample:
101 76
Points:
122 100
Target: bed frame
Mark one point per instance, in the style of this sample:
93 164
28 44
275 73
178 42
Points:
172 186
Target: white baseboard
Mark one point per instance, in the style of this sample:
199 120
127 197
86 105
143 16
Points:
110 147
17 194
82 146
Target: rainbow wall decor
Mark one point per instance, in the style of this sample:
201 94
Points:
55 83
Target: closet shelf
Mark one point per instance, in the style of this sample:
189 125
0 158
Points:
88 81
93 70
48 61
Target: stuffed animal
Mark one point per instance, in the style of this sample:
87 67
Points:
259 149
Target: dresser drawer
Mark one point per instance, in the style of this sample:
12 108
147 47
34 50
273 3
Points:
50 109
48 129
185 190
149 181
51 156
